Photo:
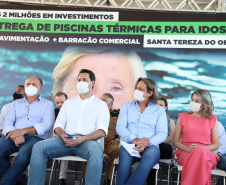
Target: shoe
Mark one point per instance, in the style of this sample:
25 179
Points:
108 181
62 182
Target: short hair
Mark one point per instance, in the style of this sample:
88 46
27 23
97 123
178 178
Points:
61 94
91 74
40 80
73 53
166 104
21 86
151 86
109 96
206 99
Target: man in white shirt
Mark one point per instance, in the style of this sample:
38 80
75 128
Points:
85 119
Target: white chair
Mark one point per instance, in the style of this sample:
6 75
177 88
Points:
213 172
116 162
73 158
168 162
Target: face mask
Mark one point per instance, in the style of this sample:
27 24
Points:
31 90
194 107
138 95
17 96
82 87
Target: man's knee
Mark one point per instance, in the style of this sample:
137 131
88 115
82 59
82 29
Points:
38 148
152 151
94 150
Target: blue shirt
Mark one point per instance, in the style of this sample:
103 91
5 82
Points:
39 114
152 123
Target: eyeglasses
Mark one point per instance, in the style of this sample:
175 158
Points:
27 110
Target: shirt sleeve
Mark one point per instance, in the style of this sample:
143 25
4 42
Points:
103 118
161 128
10 119
222 139
121 127
61 118
3 114
47 121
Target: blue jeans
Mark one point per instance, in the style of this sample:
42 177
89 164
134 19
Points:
221 164
149 158
54 147
13 173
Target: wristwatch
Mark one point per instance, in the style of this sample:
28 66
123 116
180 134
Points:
219 154
117 140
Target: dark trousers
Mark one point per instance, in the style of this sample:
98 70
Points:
165 153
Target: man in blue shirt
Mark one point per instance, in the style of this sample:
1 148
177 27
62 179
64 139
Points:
144 123
27 122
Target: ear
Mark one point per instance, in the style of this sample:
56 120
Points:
110 105
93 83
40 88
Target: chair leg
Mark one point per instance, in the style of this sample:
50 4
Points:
112 174
168 174
178 178
224 180
51 173
156 177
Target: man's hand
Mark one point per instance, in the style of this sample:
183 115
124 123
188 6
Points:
15 133
145 141
140 148
113 142
74 142
19 140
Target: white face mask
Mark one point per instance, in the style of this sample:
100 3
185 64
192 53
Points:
82 87
138 95
194 107
31 90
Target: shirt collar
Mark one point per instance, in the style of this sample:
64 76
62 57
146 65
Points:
90 98
136 103
38 99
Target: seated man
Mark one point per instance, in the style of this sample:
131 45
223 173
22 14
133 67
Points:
19 93
59 100
27 122
144 123
111 142
81 122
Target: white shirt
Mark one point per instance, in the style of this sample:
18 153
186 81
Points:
4 112
78 116
222 138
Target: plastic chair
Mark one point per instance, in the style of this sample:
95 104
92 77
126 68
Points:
73 158
213 172
116 162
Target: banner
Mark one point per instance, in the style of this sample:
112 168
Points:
181 52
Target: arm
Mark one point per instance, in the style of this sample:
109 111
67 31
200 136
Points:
121 127
10 119
38 128
176 138
215 138
161 128
81 139
171 132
